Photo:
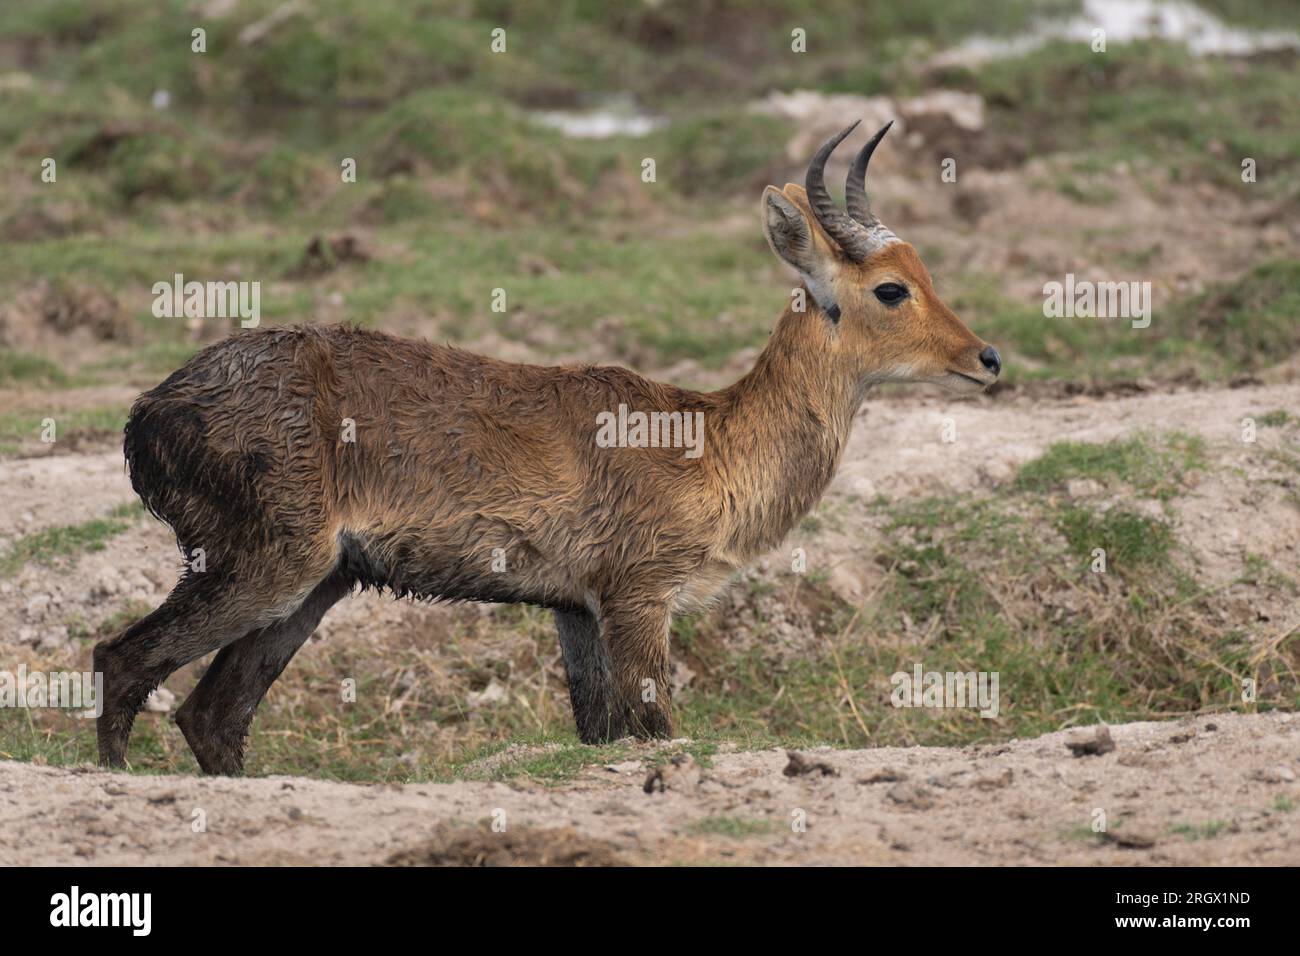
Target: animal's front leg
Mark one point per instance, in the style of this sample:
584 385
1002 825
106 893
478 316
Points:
637 637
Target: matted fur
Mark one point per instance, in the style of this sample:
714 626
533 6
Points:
460 460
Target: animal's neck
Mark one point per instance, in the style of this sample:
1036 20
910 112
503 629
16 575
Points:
781 432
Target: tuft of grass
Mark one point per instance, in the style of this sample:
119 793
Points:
1132 542
1251 321
734 827
1199 831
1275 419
19 428
1155 467
25 368
557 763
503 155
1083 834
52 546
1143 100
719 152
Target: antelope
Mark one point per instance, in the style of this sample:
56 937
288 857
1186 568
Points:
469 478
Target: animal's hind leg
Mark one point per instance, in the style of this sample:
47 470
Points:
586 661
215 718
201 614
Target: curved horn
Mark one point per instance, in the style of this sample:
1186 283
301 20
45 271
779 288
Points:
855 187
851 235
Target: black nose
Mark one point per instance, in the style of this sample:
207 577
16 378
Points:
992 360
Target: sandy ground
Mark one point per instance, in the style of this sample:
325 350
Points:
1203 791
1214 789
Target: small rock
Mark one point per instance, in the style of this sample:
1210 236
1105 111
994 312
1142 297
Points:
884 775
493 693
1100 743
1082 487
963 110
627 766
1130 839
53 638
911 795
800 766
1278 774
992 782
681 773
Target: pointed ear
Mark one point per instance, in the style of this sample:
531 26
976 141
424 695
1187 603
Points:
788 232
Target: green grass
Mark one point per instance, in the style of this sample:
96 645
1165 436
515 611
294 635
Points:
25 368
1249 322
1237 325
557 761
639 288
1132 542
1155 467
734 827
1147 102
1275 419
1199 831
57 545
20 428
377 50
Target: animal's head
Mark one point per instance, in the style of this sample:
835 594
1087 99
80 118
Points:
886 319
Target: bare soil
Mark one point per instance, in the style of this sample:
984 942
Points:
1199 791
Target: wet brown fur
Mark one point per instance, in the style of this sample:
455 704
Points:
241 451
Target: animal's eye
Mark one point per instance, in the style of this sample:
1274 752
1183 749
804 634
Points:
891 293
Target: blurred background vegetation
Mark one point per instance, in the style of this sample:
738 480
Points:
225 164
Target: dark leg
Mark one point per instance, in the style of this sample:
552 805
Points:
215 718
199 616
586 660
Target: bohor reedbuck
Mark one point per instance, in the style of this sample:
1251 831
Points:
305 461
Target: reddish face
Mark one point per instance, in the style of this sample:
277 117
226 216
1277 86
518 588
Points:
889 305
885 308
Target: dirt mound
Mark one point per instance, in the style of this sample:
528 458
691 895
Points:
480 846
51 312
